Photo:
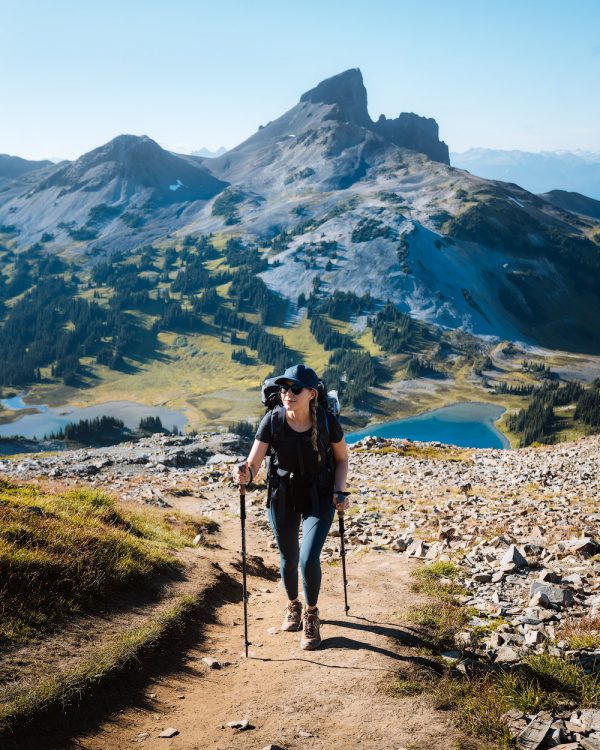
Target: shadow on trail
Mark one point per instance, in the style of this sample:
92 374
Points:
386 630
64 727
327 666
405 636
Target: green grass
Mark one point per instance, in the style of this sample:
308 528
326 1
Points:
441 620
479 706
62 553
548 683
540 683
437 580
583 633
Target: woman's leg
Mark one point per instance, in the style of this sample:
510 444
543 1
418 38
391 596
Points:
285 529
314 533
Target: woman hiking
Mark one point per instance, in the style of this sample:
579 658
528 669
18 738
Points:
306 486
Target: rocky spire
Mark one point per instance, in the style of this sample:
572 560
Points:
348 92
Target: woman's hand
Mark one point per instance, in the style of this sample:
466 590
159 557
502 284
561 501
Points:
339 505
241 474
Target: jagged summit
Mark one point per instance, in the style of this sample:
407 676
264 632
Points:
348 92
329 139
416 133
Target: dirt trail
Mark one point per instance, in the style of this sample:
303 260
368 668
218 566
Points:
331 698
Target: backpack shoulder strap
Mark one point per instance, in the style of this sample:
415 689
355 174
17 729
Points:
277 418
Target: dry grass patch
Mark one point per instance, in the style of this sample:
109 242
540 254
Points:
414 450
440 621
582 633
64 552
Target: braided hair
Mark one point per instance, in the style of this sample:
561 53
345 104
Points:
315 426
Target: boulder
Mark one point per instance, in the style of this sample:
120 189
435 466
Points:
585 546
534 734
512 556
559 595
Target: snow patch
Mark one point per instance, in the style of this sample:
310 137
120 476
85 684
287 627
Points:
176 186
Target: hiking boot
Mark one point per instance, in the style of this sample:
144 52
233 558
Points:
311 636
293 616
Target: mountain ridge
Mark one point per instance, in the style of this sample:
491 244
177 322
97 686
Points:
12 167
329 195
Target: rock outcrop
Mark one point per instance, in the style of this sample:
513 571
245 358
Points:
348 94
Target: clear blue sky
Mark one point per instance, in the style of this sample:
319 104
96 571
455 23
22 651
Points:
495 73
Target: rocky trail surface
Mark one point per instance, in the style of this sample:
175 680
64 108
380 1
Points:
520 526
280 696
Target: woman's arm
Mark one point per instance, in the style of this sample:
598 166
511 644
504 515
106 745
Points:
340 454
254 462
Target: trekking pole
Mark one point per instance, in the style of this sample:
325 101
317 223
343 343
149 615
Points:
244 590
343 555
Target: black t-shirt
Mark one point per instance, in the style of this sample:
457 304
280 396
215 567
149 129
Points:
290 441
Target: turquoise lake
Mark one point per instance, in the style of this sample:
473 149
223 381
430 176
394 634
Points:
468 425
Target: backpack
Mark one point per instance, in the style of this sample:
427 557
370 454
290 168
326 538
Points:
298 486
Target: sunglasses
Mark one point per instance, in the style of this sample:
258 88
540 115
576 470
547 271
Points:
295 389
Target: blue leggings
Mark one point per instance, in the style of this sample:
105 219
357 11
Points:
286 526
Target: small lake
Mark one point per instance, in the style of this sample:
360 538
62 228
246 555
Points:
468 425
48 419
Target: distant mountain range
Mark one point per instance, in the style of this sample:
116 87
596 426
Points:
536 172
206 153
360 205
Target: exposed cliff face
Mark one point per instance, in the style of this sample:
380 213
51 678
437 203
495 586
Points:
417 133
348 95
347 92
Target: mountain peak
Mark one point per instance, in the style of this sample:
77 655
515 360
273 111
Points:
347 91
125 147
134 163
